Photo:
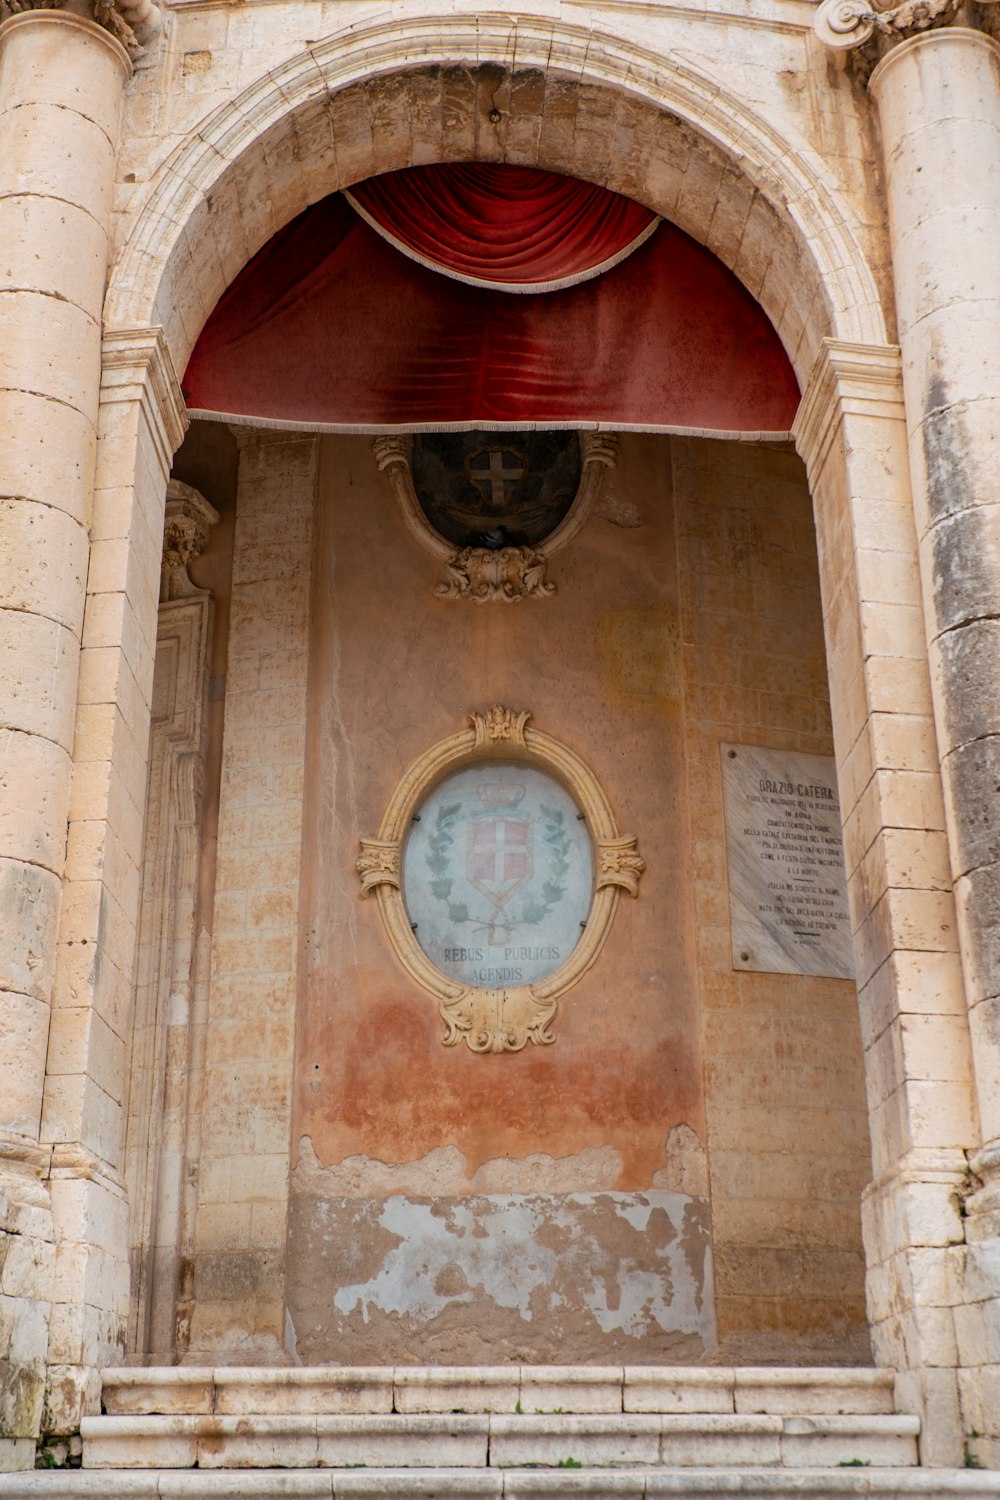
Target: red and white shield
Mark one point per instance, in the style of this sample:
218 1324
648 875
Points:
499 861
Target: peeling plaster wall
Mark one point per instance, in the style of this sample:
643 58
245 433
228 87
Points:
550 1276
549 1204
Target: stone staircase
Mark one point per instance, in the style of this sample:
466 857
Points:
530 1432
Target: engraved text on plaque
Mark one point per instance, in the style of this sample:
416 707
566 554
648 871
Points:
787 887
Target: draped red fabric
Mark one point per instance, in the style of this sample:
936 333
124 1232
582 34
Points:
330 328
509 226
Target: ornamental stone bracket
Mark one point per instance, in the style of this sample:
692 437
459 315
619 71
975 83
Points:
846 24
189 519
618 863
507 574
499 726
505 1016
379 864
134 23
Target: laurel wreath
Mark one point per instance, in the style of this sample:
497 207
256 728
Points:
534 909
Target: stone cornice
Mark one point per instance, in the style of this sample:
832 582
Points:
846 24
132 23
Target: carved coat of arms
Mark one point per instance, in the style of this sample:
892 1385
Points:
493 506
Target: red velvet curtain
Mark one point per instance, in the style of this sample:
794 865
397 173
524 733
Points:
330 328
506 226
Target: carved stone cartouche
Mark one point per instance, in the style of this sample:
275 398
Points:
507 574
504 1018
503 574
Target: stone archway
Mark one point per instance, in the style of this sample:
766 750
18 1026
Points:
576 102
263 157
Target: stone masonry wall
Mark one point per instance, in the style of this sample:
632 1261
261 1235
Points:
784 1086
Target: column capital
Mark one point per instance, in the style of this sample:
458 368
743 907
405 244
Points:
844 25
136 366
861 379
132 24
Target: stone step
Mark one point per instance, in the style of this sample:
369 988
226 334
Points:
642 1483
530 1389
459 1441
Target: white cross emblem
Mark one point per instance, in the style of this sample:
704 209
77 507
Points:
493 477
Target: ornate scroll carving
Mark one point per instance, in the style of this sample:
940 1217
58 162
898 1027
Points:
599 448
508 574
188 520
499 726
134 23
845 24
504 574
619 864
378 864
497 1020
392 448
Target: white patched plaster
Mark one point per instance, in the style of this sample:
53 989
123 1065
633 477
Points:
523 1252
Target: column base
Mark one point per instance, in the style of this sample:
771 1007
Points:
977 1321
27 1257
914 1233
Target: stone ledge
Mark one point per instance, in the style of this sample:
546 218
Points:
499 1442
331 1390
646 1483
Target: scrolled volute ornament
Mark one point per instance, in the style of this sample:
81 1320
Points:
378 864
844 24
618 863
392 448
481 574
499 725
188 520
599 447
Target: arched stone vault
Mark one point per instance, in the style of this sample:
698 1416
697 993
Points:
570 100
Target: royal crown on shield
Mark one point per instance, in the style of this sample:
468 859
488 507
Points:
500 793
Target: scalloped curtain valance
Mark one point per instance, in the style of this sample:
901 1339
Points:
330 328
513 228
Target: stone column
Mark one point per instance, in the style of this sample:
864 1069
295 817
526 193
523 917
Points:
140 425
851 431
938 97
61 91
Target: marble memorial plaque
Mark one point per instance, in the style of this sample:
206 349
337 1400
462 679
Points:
498 875
787 885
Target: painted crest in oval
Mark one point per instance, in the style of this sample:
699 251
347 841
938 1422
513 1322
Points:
498 875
